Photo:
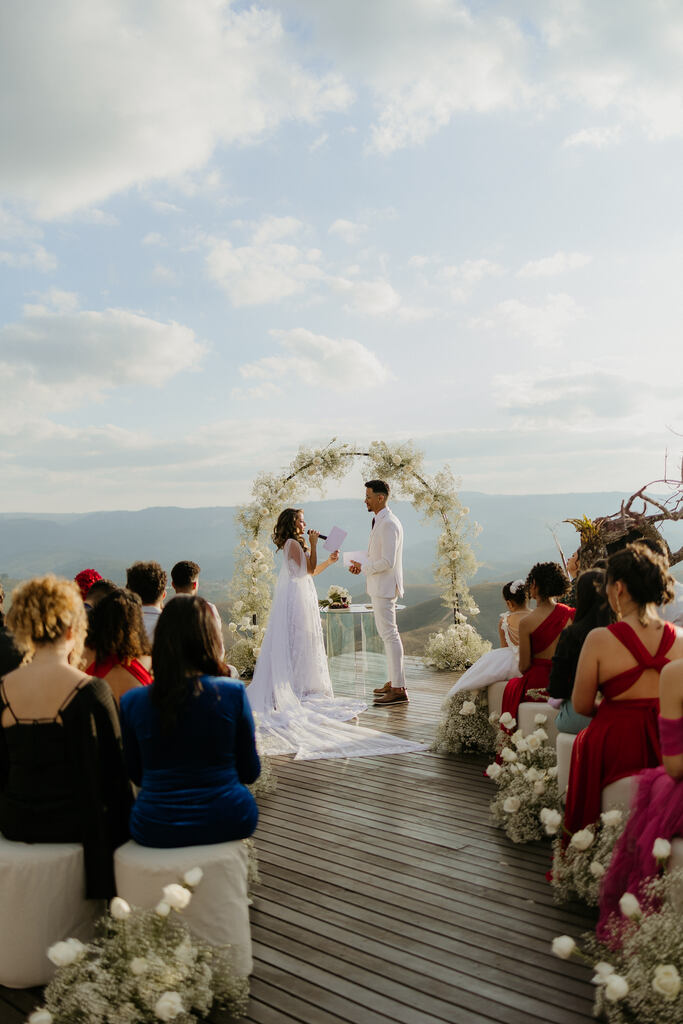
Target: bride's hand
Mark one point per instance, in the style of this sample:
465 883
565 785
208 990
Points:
313 537
334 556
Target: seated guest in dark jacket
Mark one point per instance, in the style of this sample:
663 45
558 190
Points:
592 610
62 777
189 738
10 655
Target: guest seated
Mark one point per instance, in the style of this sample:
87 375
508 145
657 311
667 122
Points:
11 656
148 581
62 776
99 589
658 806
189 738
592 611
117 648
622 662
84 580
539 632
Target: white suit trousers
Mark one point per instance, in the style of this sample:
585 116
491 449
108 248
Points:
384 609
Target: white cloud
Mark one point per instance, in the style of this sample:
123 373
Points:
369 298
559 263
61 357
153 238
595 138
462 279
348 230
268 268
35 256
149 92
315 361
544 324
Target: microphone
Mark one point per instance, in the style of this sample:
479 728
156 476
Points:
323 536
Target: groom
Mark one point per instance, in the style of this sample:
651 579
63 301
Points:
384 572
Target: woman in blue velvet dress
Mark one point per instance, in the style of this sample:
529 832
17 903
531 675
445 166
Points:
189 738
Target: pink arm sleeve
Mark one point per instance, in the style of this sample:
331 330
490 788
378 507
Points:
671 736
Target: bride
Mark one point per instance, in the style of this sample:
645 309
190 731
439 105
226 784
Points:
291 693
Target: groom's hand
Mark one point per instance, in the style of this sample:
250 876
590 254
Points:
354 568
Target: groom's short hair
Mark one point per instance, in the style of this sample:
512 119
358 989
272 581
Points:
378 486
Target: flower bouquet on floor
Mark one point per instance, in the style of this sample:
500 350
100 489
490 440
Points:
455 648
578 867
146 966
638 975
337 597
465 726
526 777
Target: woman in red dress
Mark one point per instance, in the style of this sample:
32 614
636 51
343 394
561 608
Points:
622 662
117 648
538 635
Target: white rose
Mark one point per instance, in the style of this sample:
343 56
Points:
168 1006
667 982
539 787
177 896
508 755
541 733
494 770
563 946
64 953
533 774
540 719
552 772
493 718
551 821
119 909
517 736
603 971
516 769
468 708
532 742
193 877
139 965
597 869
41 1016
661 849
396 459
512 804
507 720
232 626
582 839
611 818
162 908
629 906
616 988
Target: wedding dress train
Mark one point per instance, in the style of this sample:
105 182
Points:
291 694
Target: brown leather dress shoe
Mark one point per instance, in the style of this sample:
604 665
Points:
396 695
383 689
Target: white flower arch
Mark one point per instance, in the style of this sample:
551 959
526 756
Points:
402 466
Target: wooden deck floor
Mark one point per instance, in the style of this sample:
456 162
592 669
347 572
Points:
388 898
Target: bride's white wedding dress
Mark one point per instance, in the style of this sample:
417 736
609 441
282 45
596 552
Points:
291 694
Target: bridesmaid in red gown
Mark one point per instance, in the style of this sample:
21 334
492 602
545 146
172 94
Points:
538 634
623 662
117 648
657 812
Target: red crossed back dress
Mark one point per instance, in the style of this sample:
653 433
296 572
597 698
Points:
537 676
622 738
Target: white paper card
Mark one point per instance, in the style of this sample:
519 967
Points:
355 556
335 539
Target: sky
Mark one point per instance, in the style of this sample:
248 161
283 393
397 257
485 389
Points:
228 229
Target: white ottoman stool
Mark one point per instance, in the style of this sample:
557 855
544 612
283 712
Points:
676 854
42 901
618 795
218 912
563 745
495 695
527 713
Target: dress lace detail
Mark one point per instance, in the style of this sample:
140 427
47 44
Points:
291 694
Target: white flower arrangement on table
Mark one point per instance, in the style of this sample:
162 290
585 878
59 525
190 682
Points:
145 966
526 777
638 976
402 465
579 867
465 726
456 648
337 597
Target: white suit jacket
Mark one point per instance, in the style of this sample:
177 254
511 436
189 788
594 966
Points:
384 567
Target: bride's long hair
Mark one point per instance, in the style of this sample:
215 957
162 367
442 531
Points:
285 529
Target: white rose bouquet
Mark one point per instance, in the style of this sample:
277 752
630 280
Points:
455 648
639 975
465 725
579 867
144 967
526 777
337 597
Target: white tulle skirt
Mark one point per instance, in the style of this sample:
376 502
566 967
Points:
492 667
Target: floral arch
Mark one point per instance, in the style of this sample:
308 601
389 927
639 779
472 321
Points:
402 466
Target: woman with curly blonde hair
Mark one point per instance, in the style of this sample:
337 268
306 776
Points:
62 777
